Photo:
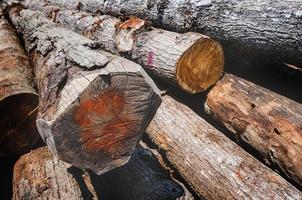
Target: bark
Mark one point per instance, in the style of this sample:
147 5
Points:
39 175
18 131
94 106
191 61
142 178
270 123
214 166
270 28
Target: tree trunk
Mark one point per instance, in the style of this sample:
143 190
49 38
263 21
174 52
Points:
142 178
214 166
270 28
18 130
93 106
191 61
39 175
270 123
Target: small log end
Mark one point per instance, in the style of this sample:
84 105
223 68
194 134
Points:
200 66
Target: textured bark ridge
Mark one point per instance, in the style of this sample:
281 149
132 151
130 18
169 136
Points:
18 131
270 123
271 28
214 166
39 175
93 106
191 60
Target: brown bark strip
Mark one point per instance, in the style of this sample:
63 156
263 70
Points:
94 106
270 123
265 27
18 99
214 166
191 61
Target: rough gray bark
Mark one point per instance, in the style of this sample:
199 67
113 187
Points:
270 123
39 175
214 166
191 60
18 130
94 106
268 27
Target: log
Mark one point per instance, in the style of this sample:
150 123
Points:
142 178
214 166
39 175
94 106
17 93
270 28
192 61
268 122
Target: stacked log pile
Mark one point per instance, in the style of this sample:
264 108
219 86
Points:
78 74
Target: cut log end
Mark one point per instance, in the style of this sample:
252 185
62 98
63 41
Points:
107 118
200 66
21 120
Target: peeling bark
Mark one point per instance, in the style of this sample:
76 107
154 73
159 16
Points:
270 123
18 130
191 61
94 106
269 28
214 166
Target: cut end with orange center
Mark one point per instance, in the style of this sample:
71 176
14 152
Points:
103 127
200 66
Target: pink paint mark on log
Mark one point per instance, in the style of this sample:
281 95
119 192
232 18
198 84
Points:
150 59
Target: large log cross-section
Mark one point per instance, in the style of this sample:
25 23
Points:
94 106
